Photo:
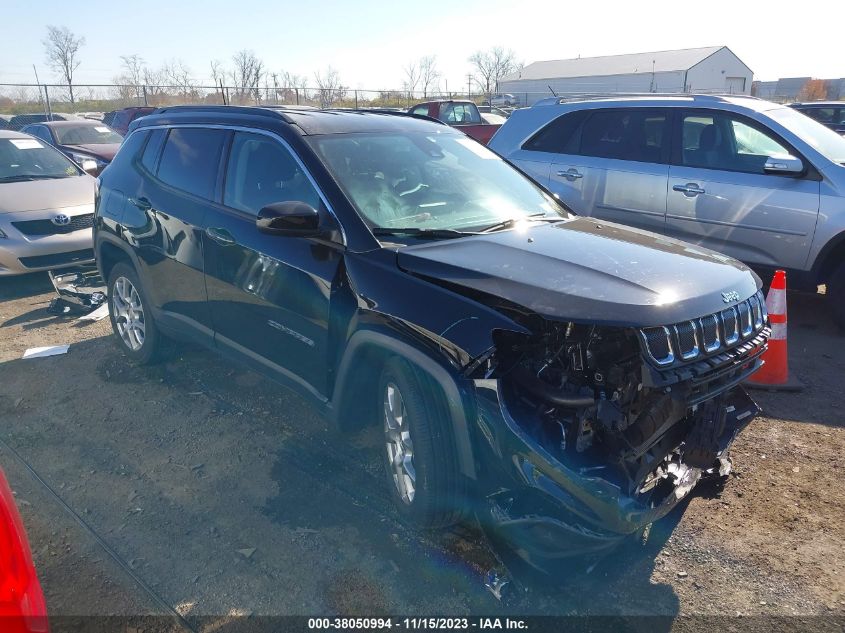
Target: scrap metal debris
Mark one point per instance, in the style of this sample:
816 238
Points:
496 583
81 290
42 352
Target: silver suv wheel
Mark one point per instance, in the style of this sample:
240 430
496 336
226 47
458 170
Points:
400 449
128 313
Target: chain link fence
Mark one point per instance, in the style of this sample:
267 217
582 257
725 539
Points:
100 98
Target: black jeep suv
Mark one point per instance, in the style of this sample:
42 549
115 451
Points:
567 380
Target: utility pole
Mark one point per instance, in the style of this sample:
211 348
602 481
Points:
469 85
275 89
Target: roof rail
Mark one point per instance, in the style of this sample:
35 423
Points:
389 112
275 112
596 96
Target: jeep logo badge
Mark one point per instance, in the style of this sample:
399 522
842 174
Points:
730 295
61 220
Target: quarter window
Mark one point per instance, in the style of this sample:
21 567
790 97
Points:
190 160
558 137
260 172
152 150
636 135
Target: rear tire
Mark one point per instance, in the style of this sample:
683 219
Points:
131 317
836 294
420 457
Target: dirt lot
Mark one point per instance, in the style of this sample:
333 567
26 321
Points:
199 488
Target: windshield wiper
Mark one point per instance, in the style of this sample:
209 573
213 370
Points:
511 222
436 234
22 177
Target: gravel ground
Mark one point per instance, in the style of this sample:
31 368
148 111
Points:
201 489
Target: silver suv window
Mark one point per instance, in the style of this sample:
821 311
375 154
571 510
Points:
824 140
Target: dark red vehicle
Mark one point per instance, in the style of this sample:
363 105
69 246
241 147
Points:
119 120
463 115
22 608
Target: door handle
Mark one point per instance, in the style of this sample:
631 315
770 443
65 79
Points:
142 203
571 174
690 189
221 236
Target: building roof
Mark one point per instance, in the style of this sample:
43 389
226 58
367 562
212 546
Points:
632 63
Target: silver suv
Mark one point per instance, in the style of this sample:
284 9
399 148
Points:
752 179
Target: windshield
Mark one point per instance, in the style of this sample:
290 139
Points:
85 135
824 140
30 159
431 181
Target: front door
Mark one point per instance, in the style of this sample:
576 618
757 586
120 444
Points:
270 295
721 197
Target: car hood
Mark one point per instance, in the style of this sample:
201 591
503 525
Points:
587 271
103 151
34 195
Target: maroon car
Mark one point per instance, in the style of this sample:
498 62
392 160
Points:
119 120
79 140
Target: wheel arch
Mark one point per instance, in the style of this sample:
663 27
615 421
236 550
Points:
109 252
832 254
370 348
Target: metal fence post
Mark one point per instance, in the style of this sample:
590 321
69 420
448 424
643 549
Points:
144 89
356 99
47 101
296 92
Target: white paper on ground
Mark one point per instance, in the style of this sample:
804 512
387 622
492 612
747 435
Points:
41 352
100 313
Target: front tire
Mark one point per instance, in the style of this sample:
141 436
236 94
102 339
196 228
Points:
420 455
131 317
836 294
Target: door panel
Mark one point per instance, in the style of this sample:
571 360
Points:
269 295
720 196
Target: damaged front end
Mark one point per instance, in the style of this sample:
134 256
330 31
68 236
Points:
596 432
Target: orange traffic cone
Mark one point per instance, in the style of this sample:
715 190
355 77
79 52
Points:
774 374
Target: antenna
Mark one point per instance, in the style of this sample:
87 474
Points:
552 90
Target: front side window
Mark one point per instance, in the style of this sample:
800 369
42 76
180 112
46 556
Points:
425 180
721 141
636 135
558 137
460 113
86 135
190 159
31 159
261 171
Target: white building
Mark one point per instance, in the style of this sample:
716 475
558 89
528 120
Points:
713 69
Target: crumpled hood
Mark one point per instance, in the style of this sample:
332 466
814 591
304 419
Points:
103 151
34 195
588 270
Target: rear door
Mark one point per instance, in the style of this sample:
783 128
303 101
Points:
269 295
557 140
164 219
721 197
621 167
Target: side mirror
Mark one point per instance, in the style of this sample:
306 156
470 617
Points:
783 164
292 219
89 167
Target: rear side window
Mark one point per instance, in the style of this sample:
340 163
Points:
152 150
558 137
822 115
130 148
190 160
637 135
421 110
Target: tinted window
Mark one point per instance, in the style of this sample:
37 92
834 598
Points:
822 115
719 141
190 159
152 150
262 171
625 135
559 137
130 148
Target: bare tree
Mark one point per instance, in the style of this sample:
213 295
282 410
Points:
292 87
412 77
61 47
813 90
429 75
491 65
130 80
329 87
178 75
247 74
218 73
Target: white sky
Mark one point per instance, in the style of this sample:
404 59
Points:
369 41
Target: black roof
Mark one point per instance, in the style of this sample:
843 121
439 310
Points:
309 122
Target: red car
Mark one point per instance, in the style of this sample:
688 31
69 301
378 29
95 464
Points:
119 120
22 607
463 115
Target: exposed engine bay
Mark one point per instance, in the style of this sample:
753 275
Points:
587 395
